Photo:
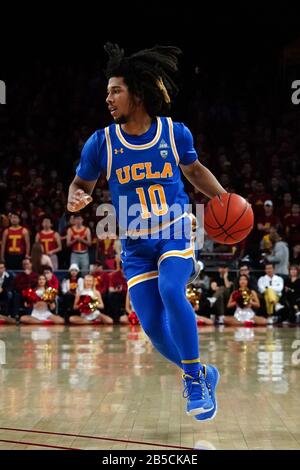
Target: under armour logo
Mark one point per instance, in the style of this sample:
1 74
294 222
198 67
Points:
121 150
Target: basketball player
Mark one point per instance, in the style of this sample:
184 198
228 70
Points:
141 155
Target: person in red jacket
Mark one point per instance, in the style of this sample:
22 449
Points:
101 282
24 280
117 294
51 279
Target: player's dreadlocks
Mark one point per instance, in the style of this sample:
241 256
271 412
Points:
147 74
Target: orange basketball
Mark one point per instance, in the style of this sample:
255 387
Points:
228 218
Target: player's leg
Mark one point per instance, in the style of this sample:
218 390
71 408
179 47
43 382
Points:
174 272
150 310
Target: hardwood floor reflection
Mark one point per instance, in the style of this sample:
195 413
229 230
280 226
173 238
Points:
106 388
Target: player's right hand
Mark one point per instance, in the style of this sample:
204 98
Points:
78 201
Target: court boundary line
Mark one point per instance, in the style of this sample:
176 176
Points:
100 438
40 445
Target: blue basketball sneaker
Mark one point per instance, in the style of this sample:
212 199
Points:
196 392
212 377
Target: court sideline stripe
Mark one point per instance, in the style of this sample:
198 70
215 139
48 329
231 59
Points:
39 445
84 436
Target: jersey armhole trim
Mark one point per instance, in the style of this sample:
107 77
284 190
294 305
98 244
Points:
172 140
109 152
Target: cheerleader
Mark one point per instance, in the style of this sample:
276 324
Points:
89 302
41 312
245 301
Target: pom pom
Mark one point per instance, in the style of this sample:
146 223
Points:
133 319
30 296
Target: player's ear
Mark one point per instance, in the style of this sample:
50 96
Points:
137 99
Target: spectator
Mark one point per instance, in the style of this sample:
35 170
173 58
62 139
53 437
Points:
6 295
51 279
246 302
200 305
220 288
292 294
295 255
101 281
42 311
15 243
24 280
267 219
117 294
271 286
79 239
280 254
244 269
124 320
107 253
258 198
50 241
70 286
91 315
39 259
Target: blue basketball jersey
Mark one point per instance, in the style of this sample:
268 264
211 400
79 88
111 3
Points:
142 171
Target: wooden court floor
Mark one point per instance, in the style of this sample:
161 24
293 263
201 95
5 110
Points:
106 388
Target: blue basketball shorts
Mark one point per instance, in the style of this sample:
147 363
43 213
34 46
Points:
141 257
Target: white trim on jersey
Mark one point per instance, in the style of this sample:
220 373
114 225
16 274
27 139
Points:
109 152
172 140
143 146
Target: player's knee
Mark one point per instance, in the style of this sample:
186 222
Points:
169 291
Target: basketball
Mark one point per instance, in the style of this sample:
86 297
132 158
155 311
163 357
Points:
228 218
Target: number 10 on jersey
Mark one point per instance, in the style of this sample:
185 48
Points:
157 198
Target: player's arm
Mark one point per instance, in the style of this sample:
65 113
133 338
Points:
202 179
196 173
87 172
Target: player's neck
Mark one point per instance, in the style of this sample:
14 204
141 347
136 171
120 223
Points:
138 124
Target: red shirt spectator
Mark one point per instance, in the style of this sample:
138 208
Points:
117 281
268 219
258 198
27 279
102 279
52 280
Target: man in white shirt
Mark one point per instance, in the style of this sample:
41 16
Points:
271 286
